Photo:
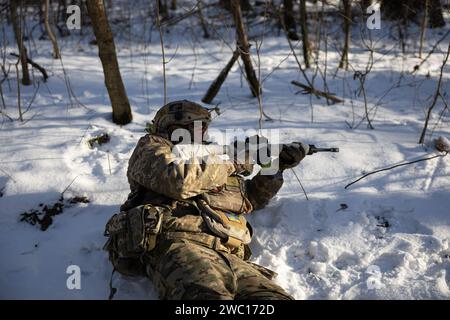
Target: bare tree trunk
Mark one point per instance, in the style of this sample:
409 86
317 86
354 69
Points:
347 22
404 10
305 37
107 53
49 30
436 17
60 22
202 21
245 5
289 20
244 46
364 5
226 4
423 28
217 83
393 9
62 11
17 26
173 5
163 9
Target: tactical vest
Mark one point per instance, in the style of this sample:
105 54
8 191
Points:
219 212
214 219
223 211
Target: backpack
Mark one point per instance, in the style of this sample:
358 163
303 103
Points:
131 234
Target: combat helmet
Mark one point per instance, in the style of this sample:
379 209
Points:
179 113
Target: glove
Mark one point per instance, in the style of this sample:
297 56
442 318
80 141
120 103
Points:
291 154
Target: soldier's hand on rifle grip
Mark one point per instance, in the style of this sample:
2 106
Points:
291 154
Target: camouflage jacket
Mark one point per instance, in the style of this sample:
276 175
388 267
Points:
155 177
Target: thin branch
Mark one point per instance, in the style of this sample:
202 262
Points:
3 113
396 166
18 89
158 21
417 67
441 114
35 65
293 52
8 175
299 182
62 193
109 162
33 98
436 96
258 53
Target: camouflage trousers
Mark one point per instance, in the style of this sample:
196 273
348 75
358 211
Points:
187 270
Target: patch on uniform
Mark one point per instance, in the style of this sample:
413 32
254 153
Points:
232 217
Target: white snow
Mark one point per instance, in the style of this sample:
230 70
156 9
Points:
319 251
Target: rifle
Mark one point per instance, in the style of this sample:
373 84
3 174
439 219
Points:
312 149
230 150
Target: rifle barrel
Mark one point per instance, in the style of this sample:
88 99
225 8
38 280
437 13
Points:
326 150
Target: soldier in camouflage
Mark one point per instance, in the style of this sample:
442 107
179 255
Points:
201 249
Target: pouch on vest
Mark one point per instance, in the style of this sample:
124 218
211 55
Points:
229 198
131 234
232 228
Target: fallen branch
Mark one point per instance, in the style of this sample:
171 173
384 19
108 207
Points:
35 65
217 83
64 191
396 166
317 93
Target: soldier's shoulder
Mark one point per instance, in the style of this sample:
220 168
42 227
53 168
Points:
154 140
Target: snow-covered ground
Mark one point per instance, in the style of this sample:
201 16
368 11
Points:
391 242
